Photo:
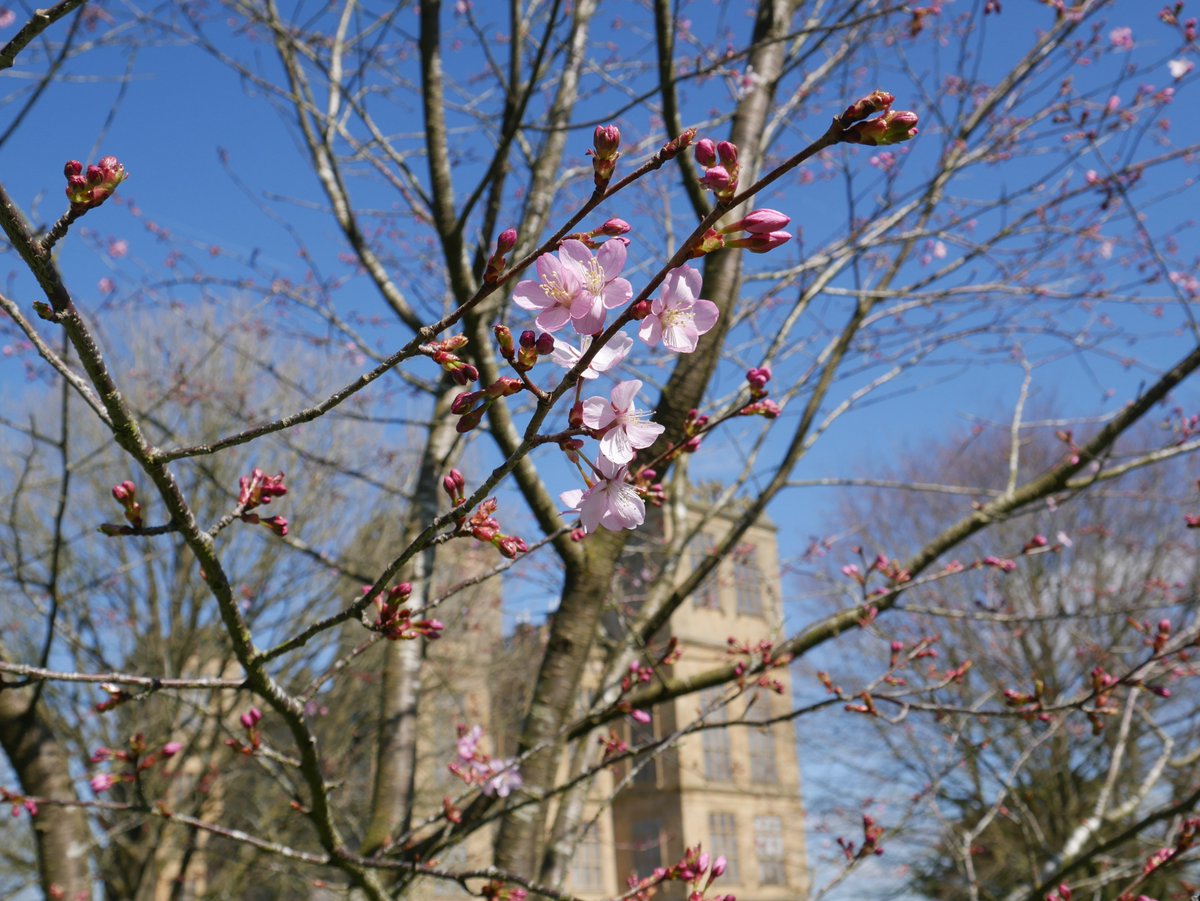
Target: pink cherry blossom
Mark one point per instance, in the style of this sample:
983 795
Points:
102 782
611 502
468 743
679 316
610 355
503 779
601 289
553 294
626 428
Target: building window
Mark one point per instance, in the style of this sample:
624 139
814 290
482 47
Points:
699 552
647 847
768 848
587 868
641 735
764 768
723 842
747 582
718 761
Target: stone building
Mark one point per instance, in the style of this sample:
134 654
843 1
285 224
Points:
735 788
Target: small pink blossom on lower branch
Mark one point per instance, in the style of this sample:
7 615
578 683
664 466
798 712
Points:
626 428
679 316
610 355
610 502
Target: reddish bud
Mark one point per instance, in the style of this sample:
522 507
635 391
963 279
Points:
607 141
706 153
875 102
73 167
893 127
727 152
506 241
760 222
545 344
640 310
511 546
505 340
758 377
760 243
463 402
614 228
528 338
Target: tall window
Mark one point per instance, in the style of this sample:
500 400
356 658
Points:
699 551
768 848
647 846
718 762
723 842
763 761
747 581
640 736
587 868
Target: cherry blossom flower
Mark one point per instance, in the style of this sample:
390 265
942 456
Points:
553 295
601 289
678 316
1121 38
626 428
503 779
611 502
468 743
610 355
102 782
1179 67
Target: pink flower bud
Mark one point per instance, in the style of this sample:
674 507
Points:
706 153
893 127
171 748
718 867
102 782
614 228
95 175
760 243
504 339
727 152
607 141
464 402
511 546
528 338
760 222
544 344
640 310
640 716
506 241
759 377
73 167
875 102
717 178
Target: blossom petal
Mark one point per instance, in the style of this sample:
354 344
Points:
706 314
615 446
624 509
650 331
680 337
643 433
624 393
611 354
529 295
617 293
587 314
592 510
594 409
571 500
553 318
576 251
611 258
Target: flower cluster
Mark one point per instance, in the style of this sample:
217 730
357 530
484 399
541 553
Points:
481 524
443 353
498 778
135 755
696 869
18 802
721 168
259 489
395 621
126 496
872 833
576 287
249 720
893 127
498 891
90 189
